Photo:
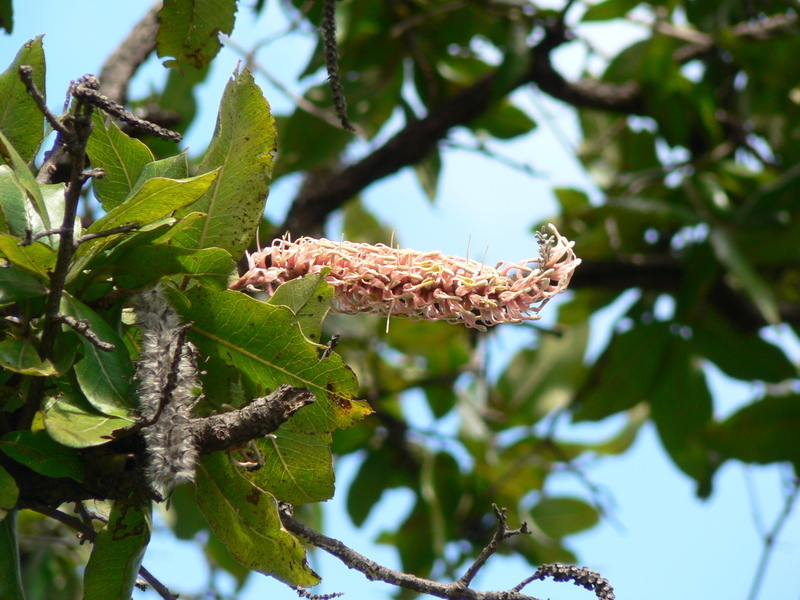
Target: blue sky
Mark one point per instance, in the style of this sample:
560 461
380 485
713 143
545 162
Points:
662 541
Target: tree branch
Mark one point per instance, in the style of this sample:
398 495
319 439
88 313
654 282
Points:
458 590
116 469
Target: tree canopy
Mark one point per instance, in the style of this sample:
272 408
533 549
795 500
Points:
147 357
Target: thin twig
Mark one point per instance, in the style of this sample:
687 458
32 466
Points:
501 533
113 231
26 74
82 327
92 96
769 540
80 128
452 591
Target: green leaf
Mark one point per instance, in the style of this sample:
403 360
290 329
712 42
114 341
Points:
21 356
744 356
156 199
148 264
173 167
24 177
118 551
20 118
610 9
17 285
8 500
428 171
246 519
13 215
682 408
504 121
7 15
267 348
559 517
762 432
309 298
38 452
539 381
189 30
297 467
10 575
752 283
72 421
36 259
106 378
308 142
625 373
241 150
120 156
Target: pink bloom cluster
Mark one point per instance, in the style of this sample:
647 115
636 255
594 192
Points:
419 285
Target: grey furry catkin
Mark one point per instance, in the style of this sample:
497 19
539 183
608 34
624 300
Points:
168 389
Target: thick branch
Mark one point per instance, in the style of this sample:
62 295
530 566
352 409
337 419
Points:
116 469
256 420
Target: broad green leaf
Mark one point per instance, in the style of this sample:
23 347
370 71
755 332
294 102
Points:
20 119
155 200
189 30
241 149
428 171
106 378
681 407
7 15
8 500
173 167
625 373
10 575
36 259
72 421
218 555
740 355
609 9
307 142
762 432
13 215
21 356
16 284
558 517
246 519
504 121
268 348
38 452
374 475
542 380
148 264
118 551
361 226
120 156
751 282
297 467
309 298
24 177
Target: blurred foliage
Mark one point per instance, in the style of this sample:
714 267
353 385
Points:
697 228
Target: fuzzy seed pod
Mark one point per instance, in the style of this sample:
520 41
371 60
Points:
420 285
168 389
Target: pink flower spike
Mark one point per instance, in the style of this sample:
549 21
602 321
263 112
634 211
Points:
419 285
